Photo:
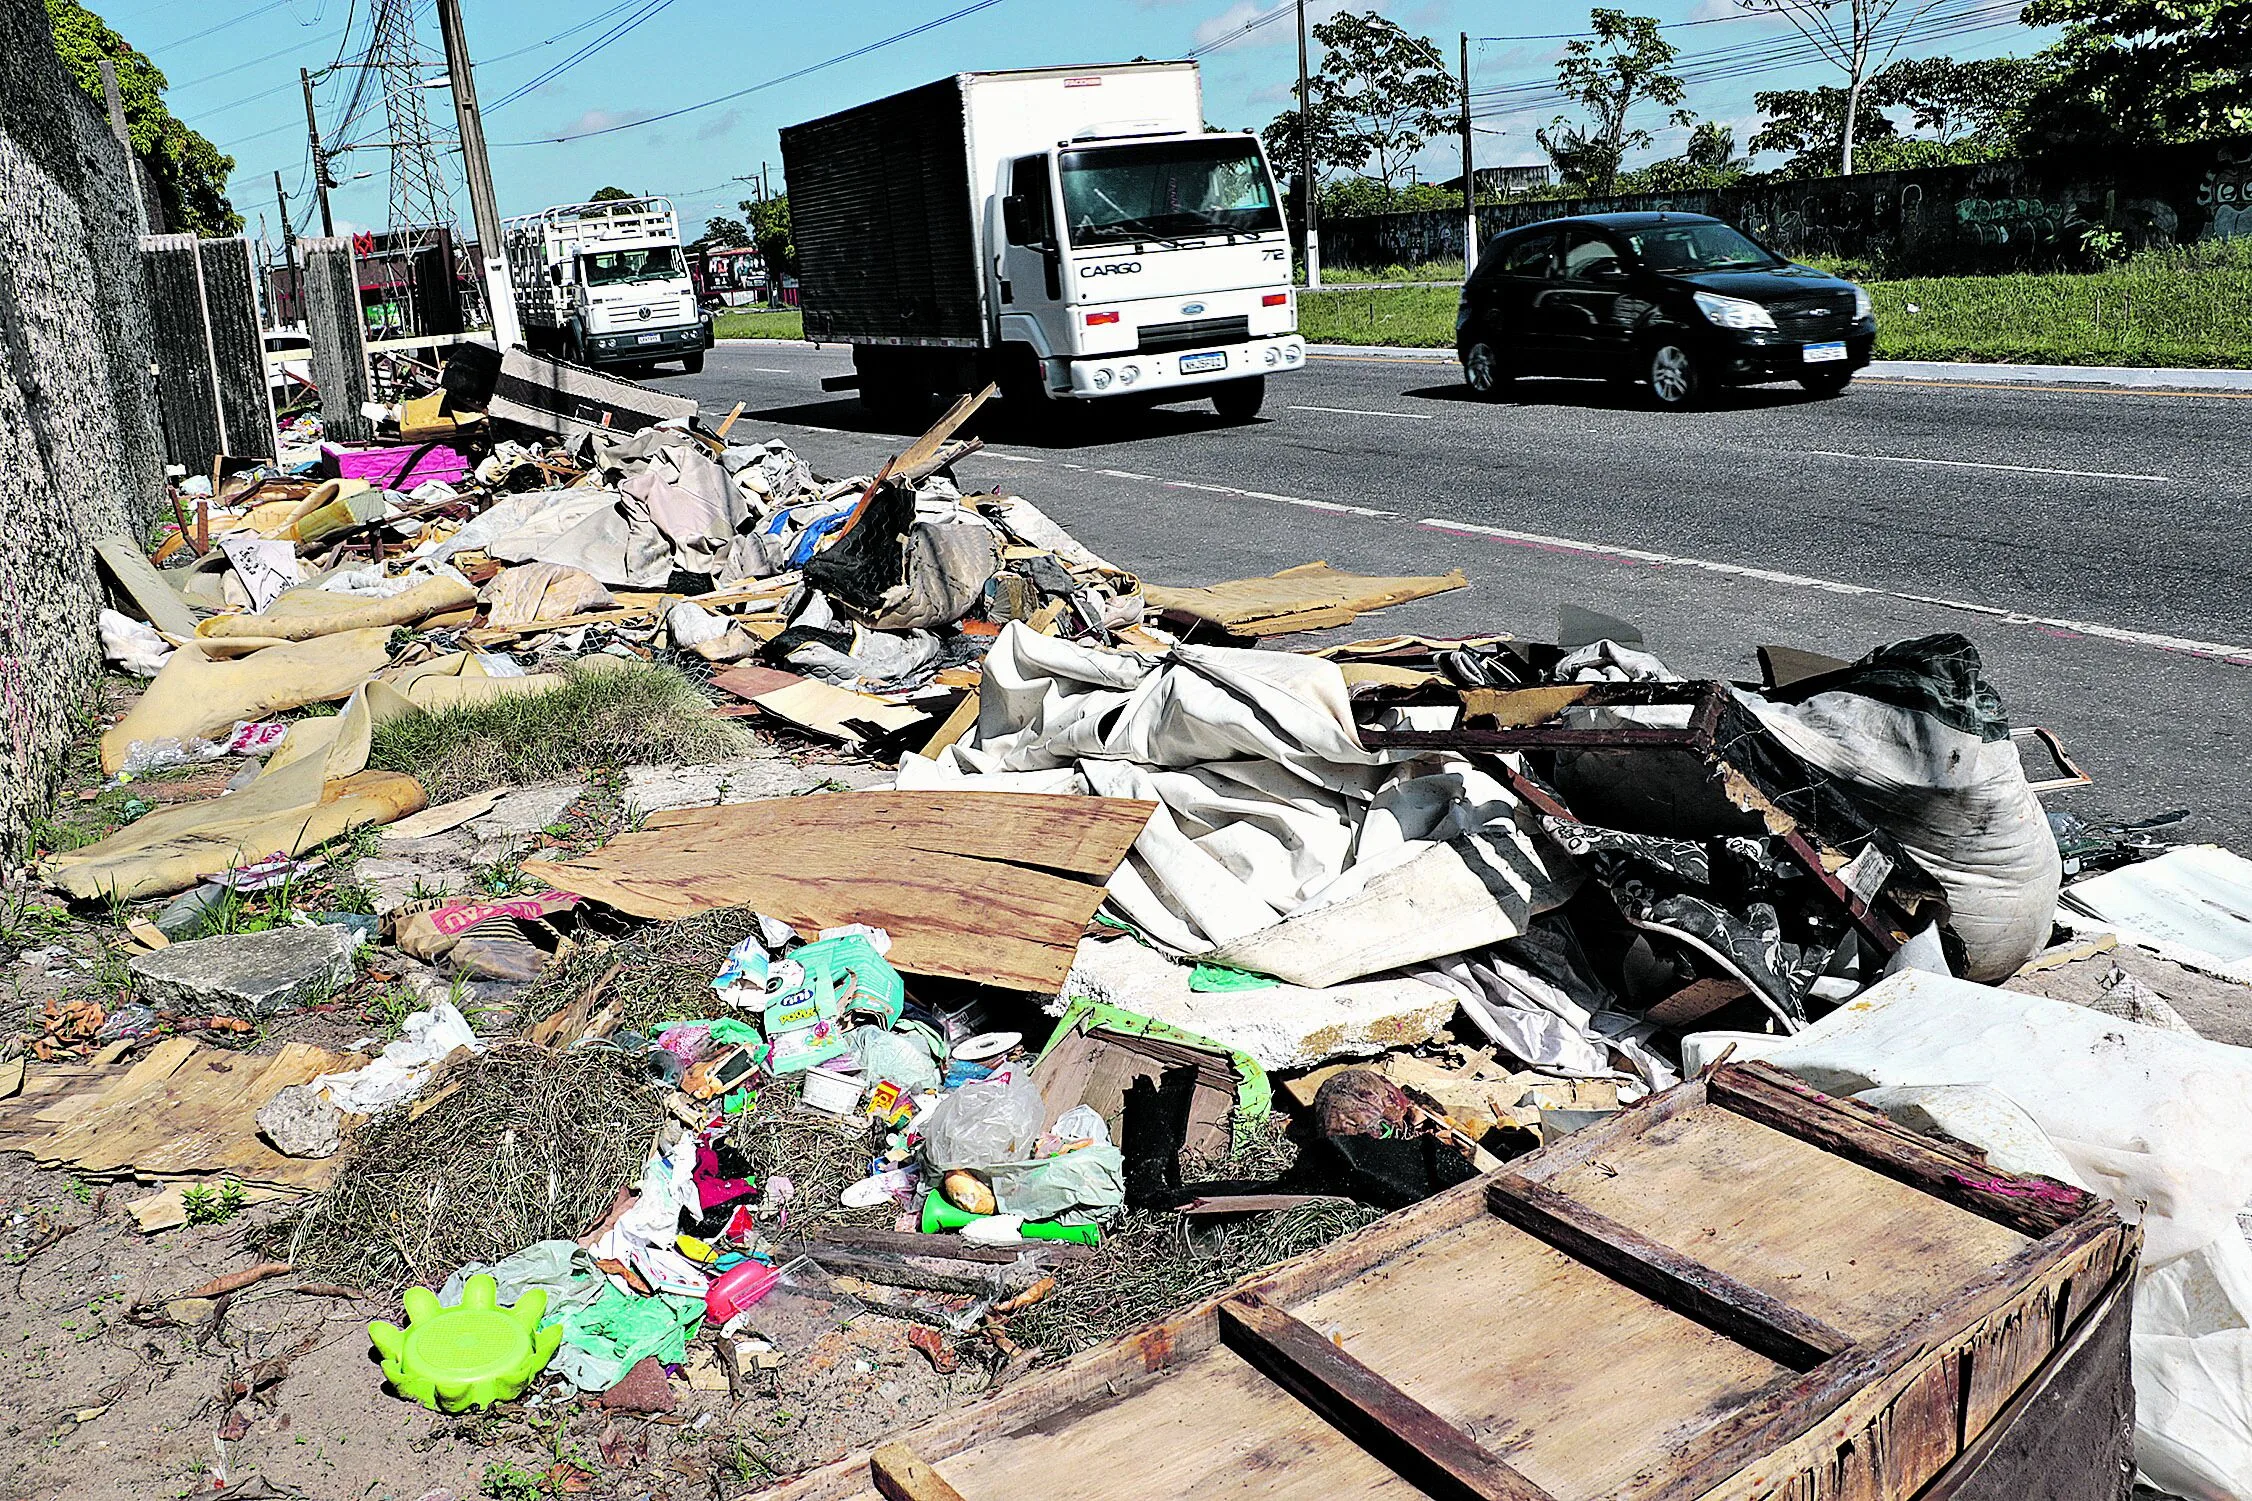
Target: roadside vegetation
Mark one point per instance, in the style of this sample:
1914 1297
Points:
758 323
2190 306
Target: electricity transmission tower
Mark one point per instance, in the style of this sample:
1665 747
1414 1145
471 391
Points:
420 198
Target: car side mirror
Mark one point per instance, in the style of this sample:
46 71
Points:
1606 269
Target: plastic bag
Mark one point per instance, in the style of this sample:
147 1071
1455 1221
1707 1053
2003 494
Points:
1091 1179
902 1059
983 1123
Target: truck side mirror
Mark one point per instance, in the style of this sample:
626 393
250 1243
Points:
1016 219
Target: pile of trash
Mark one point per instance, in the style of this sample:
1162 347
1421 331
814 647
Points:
1094 918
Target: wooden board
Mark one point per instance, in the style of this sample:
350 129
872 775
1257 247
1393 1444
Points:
159 603
1555 1352
994 887
1312 596
181 1110
823 708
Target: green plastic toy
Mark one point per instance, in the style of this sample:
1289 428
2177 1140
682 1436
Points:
453 1359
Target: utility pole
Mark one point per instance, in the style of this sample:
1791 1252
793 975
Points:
289 231
1306 186
1469 174
115 103
321 184
500 296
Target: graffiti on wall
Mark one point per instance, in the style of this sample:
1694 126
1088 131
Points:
2224 197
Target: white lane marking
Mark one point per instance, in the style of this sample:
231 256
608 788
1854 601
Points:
770 370
2235 656
1124 474
2238 656
1012 458
1360 412
1894 458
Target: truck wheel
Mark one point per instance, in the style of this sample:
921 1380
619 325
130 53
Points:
1240 400
694 363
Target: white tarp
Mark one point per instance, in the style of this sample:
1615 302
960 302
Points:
1280 843
2192 905
2158 1122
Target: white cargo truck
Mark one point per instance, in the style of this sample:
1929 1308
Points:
604 284
1075 234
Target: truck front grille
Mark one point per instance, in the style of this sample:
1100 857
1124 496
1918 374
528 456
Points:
1157 337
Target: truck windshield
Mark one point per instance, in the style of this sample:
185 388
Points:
613 267
1165 190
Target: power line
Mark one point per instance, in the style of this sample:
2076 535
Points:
1573 36
1242 31
197 36
648 9
842 57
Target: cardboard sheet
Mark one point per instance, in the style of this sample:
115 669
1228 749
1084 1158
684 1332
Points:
1310 597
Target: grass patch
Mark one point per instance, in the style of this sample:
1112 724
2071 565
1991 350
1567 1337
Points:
741 323
1448 271
2190 306
521 1145
606 714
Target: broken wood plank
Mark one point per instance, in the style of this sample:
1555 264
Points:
1312 596
900 1476
729 420
1666 1276
1423 1448
823 708
1846 1128
159 603
987 886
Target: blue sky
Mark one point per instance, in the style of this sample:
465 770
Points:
233 71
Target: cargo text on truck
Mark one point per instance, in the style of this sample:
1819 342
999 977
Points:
1074 234
604 284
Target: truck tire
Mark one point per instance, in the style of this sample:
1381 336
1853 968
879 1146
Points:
693 364
1239 400
892 388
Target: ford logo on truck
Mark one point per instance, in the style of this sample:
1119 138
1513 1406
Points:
1191 309
1113 268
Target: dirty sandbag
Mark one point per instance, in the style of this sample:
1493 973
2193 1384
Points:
1917 733
984 1122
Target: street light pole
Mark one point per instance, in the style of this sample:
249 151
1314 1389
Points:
1306 186
500 296
1469 176
320 161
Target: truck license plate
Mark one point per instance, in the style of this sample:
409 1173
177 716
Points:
1195 364
653 338
1814 354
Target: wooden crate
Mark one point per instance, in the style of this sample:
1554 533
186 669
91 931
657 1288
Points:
1740 1289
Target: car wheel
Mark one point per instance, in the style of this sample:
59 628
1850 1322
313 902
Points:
1828 383
1484 371
1675 380
1240 400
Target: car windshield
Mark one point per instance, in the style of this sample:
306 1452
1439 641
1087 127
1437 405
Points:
1166 190
1698 247
615 267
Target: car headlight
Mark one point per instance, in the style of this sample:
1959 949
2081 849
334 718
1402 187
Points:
1100 380
1733 312
1863 308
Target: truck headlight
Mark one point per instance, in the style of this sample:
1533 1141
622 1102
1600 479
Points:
1733 312
1100 380
1273 355
1129 374
1863 308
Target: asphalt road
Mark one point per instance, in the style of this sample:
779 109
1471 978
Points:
2095 544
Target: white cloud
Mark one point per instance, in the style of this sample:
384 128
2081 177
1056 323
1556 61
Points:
603 119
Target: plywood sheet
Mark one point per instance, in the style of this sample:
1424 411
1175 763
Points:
1312 596
824 708
1856 1250
1578 1382
1216 1430
987 886
181 1111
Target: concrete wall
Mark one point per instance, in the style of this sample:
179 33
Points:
1996 216
79 450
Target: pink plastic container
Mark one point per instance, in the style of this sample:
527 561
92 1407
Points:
738 1288
381 467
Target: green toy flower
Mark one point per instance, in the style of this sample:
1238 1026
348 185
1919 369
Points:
451 1359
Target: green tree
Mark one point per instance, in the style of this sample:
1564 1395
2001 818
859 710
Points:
1708 161
769 221
2132 73
1355 197
1381 93
1623 64
1859 37
1961 106
612 195
189 172
720 233
1806 125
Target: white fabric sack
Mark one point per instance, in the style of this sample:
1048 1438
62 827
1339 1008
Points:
1959 804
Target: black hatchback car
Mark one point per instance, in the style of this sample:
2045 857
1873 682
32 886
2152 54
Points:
1680 301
